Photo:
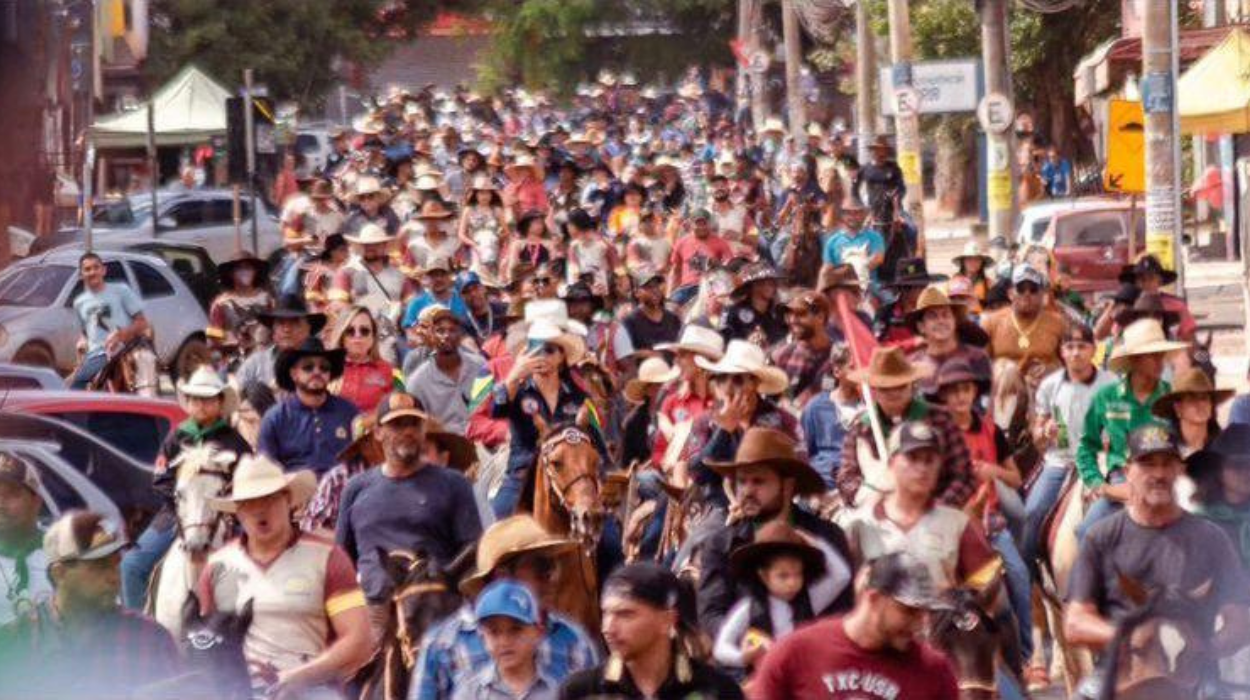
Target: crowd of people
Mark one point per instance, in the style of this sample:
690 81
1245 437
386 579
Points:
804 447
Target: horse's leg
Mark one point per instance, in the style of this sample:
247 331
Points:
167 598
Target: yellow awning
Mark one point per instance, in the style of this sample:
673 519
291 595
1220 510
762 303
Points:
1214 94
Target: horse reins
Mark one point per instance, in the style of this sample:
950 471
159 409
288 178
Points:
401 623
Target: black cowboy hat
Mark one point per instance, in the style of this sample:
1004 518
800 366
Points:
913 272
1146 264
957 372
332 243
776 539
225 271
580 291
311 347
292 308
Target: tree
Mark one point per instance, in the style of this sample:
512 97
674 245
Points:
299 49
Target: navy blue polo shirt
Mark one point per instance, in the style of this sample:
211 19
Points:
300 437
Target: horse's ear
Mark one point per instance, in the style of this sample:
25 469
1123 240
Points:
396 562
1201 591
244 619
1133 588
191 609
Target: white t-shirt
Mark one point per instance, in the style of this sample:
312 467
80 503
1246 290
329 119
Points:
37 589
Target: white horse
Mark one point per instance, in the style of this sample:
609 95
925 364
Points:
203 473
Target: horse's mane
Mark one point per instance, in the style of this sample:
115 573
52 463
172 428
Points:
1161 603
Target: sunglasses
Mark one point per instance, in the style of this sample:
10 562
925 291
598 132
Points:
360 331
310 367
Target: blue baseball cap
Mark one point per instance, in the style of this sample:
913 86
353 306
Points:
466 280
507 598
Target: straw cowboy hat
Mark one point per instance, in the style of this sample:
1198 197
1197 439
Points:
1142 337
544 331
973 249
653 370
839 277
366 185
776 539
766 447
259 476
369 234
483 183
518 534
364 442
745 357
699 340
522 162
1191 382
888 369
204 383
933 298
773 125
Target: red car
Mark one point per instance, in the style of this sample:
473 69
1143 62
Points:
1091 245
135 425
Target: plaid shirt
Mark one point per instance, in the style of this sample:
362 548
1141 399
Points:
804 365
956 483
323 509
453 651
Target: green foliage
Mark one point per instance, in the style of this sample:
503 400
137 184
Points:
294 46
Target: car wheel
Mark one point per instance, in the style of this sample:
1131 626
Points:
193 353
35 354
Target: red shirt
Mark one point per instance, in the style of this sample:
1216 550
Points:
681 405
528 196
820 661
692 256
365 383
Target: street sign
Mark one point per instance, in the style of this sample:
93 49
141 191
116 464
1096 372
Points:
996 113
944 86
906 102
1126 148
758 62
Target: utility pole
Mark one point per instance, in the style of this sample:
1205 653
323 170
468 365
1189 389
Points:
907 118
1158 87
999 162
866 76
249 128
794 56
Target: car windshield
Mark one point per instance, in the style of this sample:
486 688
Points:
34 286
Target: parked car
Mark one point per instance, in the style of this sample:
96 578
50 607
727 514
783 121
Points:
1091 245
79 471
16 377
135 425
200 217
38 325
1034 219
191 262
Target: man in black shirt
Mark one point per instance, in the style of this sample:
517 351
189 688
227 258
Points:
755 315
650 323
884 182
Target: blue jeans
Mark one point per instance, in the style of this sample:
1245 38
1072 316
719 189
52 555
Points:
681 295
1037 505
512 483
1100 509
1019 591
138 563
91 366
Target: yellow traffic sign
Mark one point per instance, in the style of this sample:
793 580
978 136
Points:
1126 148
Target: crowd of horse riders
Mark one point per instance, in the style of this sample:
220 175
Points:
617 397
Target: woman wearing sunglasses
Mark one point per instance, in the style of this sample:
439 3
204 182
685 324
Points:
366 376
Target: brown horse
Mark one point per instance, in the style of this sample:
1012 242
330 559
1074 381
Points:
1059 551
974 641
130 370
567 500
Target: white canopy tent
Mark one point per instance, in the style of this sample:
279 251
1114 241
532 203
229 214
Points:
189 109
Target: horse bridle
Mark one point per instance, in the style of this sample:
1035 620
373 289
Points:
402 634
571 436
181 529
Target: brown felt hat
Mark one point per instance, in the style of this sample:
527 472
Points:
933 298
1191 382
838 277
766 447
887 369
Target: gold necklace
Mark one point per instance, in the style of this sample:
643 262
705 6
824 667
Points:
1024 343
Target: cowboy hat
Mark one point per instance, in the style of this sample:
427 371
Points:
258 476
957 372
653 370
766 447
426 182
311 347
483 182
1230 448
773 125
699 340
364 443
745 357
839 277
1147 305
772 540
1191 382
973 249
755 272
292 307
434 210
461 452
225 271
1142 337
367 184
881 143
888 369
690 91
518 534
913 272
369 234
523 161
1146 264
204 383
933 298
544 331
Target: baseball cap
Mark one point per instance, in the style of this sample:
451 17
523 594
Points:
82 535
15 471
915 435
467 279
701 214
398 404
906 579
1153 438
645 582
438 263
507 598
1027 273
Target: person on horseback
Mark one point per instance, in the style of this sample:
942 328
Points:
210 404
289 324
855 244
764 477
1027 332
805 358
892 380
406 503
940 323
1156 544
694 254
515 548
24 581
232 317
757 313
512 631
899 297
111 317
309 630
309 426
1149 276
878 647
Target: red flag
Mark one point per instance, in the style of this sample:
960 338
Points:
863 343
740 52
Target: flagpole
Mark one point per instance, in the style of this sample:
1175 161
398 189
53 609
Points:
857 354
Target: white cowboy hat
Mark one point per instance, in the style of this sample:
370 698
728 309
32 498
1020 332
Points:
204 383
483 182
773 125
653 370
1142 337
690 91
554 310
427 183
545 331
814 129
700 340
367 184
369 234
522 161
259 476
745 357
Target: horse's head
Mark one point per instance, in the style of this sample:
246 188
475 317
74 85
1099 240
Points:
1159 648
570 465
202 474
421 595
214 645
972 639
